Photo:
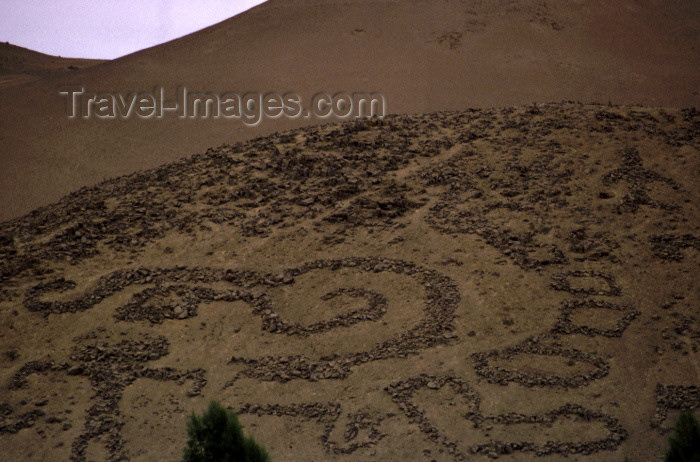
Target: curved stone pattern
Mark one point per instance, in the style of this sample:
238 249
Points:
566 326
545 344
136 308
110 369
563 281
403 394
542 193
435 327
329 415
539 346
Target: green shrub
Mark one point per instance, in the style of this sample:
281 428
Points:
684 443
217 436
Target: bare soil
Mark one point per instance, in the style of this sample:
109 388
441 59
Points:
518 283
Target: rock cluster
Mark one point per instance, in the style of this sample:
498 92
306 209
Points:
403 394
110 369
436 327
562 281
670 246
566 326
637 177
676 397
544 346
513 179
327 414
345 176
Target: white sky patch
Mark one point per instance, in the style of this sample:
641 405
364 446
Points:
108 29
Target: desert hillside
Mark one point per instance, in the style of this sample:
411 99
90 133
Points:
516 283
422 55
20 65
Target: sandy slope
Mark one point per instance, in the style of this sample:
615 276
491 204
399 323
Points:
517 283
20 65
422 55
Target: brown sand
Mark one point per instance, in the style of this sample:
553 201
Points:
514 282
422 55
517 283
20 65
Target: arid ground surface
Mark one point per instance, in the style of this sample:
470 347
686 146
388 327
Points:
422 55
19 65
517 283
